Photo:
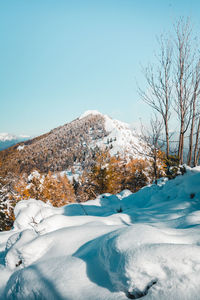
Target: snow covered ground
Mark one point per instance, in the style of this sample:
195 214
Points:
126 246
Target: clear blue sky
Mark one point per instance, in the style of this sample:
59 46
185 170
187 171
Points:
59 58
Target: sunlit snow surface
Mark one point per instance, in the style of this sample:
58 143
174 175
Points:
123 138
127 246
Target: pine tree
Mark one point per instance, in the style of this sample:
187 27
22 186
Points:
49 187
104 177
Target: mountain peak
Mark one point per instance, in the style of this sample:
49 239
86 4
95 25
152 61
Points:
7 140
90 112
74 144
4 136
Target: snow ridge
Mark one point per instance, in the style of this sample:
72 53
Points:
121 138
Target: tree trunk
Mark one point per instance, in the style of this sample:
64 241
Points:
196 145
155 166
191 135
181 141
167 138
198 155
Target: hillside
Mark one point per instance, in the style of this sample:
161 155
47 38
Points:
128 246
89 156
72 144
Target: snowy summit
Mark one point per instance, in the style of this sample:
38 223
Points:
121 137
90 112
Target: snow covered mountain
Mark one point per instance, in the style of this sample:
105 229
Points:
7 137
120 135
7 140
74 144
127 246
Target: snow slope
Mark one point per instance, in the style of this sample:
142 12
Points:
90 112
126 246
121 136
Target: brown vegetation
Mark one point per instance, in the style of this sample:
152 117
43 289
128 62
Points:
57 150
54 189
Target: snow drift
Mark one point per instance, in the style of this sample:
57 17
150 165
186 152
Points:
128 246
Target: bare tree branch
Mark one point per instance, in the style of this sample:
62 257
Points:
158 95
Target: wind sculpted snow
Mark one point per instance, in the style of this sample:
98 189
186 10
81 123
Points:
123 246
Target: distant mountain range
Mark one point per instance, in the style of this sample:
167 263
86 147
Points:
73 144
7 140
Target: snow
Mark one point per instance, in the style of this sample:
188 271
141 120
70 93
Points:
73 175
19 148
34 174
128 245
90 112
7 137
124 138
4 136
121 136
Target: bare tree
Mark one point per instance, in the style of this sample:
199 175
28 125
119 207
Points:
175 81
158 78
196 144
152 137
183 79
195 113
